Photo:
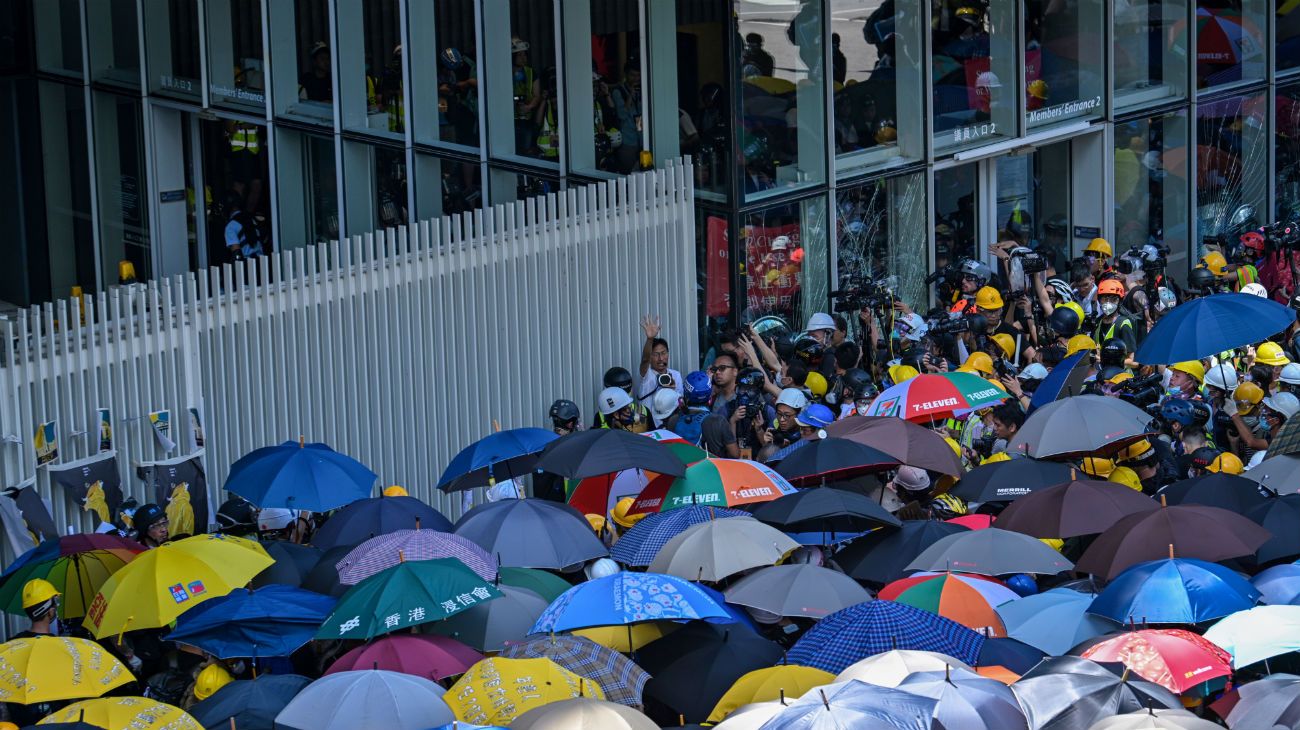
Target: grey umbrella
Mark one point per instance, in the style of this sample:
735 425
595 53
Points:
1268 702
1277 473
1082 425
367 698
968 700
990 552
488 625
1071 693
809 591
532 533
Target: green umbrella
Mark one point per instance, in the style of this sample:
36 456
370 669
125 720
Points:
547 585
407 594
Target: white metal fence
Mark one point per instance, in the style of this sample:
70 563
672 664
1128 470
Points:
398 347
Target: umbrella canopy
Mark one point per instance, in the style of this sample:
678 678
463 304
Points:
1174 591
1280 515
1083 425
846 636
1070 693
137 713
599 494
890 668
639 545
968 600
1210 325
407 594
1003 481
299 475
372 698
161 584
385 551
1276 473
967 700
809 591
713 482
1208 533
1065 380
771 683
1175 659
991 552
367 518
907 442
498 690
693 668
491 625
50 669
1226 491
1257 634
547 585
825 509
883 556
830 459
77 566
936 396
531 533
583 713
628 598
430 657
1273 700
619 678
293 563
747 717
1151 719
630 638
712 551
249 704
267 622
583 454
1077 507
1279 585
1053 621
501 455
855 704
324 577
975 521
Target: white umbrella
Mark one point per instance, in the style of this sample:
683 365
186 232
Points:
1161 719
1256 634
583 714
892 667
750 717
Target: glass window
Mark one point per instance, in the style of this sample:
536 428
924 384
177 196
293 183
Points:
302 60
235 61
370 67
876 238
1287 139
1230 44
1288 35
307 188
522 60
171 31
1151 192
1065 53
787 262
58 36
876 67
1033 202
956 211
236 169
1150 47
603 84
702 94
120 185
1231 169
782 96
445 186
444 72
68 223
115 47
972 51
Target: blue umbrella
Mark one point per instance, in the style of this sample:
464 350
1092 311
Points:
250 703
856 704
1053 621
1280 585
735 614
267 622
1066 379
502 455
1210 325
626 599
874 627
639 545
366 518
1174 591
299 475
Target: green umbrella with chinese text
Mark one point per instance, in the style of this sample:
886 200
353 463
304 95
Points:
408 594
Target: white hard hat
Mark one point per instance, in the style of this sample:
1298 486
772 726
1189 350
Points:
275 518
820 321
911 327
602 568
1221 376
792 397
1033 371
780 243
1283 403
1255 288
1290 374
664 403
613 400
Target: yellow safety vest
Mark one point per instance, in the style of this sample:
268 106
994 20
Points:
548 139
245 139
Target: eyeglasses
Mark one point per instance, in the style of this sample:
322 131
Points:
720 368
786 414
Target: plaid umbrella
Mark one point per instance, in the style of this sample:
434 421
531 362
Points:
866 629
621 679
385 551
638 547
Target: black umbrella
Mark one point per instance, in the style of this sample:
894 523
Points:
1013 654
1083 425
1193 531
599 451
825 509
1070 693
292 564
324 578
1226 491
1280 516
830 459
367 518
883 556
692 668
1003 481
251 703
1081 507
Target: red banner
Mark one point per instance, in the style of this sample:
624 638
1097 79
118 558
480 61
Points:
772 272
717 285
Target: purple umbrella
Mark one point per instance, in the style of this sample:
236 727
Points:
431 657
385 551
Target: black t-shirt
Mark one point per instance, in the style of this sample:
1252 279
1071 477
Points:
317 88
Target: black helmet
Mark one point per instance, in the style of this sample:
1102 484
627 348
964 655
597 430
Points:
808 349
146 516
1064 322
564 413
1200 279
856 380
750 378
617 377
237 515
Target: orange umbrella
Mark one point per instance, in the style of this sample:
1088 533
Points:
966 599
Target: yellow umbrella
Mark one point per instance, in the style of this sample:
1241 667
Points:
496 691
49 669
628 639
137 713
161 584
787 681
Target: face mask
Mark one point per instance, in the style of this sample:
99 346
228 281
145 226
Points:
1108 308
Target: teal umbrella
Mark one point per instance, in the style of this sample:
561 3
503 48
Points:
547 585
407 594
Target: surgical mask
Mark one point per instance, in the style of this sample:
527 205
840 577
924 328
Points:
1108 308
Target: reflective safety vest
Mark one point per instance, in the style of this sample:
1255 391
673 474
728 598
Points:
245 139
548 139
397 115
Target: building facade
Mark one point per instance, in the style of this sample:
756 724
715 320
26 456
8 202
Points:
829 137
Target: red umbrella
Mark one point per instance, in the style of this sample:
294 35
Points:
974 522
431 657
1175 659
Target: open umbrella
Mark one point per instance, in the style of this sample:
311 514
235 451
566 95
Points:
41 669
693 668
77 565
1267 703
825 509
890 668
547 585
968 600
619 678
713 482
934 397
712 551
267 622
598 494
293 563
1257 634
1208 533
1225 491
367 518
639 545
531 533
855 704
583 713
498 690
501 455
1210 325
991 552
385 551
1003 481
1077 507
491 625
907 442
1280 515
1070 693
1175 659
371 698
299 475
1053 621
1152 719
1065 380
831 459
1083 425
583 454
324 577
1276 473
1279 585
846 636
807 591
1174 591
628 598
430 657
882 556
137 713
249 704
765 685
967 700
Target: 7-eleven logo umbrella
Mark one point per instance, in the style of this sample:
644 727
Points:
935 397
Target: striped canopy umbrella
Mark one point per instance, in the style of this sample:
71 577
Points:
967 599
936 396
713 483
385 551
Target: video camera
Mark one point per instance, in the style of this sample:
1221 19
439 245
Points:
1151 258
1282 235
955 324
1030 261
859 291
1141 392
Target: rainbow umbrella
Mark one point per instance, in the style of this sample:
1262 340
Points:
967 599
77 566
598 494
713 482
934 397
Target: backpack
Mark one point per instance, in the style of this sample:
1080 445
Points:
690 426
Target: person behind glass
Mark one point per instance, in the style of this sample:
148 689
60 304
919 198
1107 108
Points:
547 118
527 95
626 97
316 83
839 62
754 55
457 97
242 234
970 39
151 524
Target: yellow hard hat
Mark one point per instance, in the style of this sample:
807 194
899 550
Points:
1120 377
1054 543
37 591
1193 368
395 491
212 678
1127 477
952 444
1006 342
1248 396
1270 353
980 362
1079 343
1073 307
816 384
997 383
967 369
1097 466
597 522
995 458
1135 451
901 373
1099 246
619 513
1038 89
1226 463
8 726
1215 262
988 298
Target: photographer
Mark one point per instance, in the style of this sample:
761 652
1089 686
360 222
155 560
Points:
972 276
749 414
785 429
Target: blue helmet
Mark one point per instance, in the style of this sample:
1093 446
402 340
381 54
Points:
452 58
816 416
1023 585
699 387
1184 412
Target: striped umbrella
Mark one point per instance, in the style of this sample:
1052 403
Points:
385 551
77 566
713 482
936 396
638 546
620 678
598 494
967 599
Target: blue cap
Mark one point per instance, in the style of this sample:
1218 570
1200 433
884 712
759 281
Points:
698 388
816 416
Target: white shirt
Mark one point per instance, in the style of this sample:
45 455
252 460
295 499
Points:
650 383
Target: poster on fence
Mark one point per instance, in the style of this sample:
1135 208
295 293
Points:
94 484
105 429
46 442
26 517
196 429
161 421
180 487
